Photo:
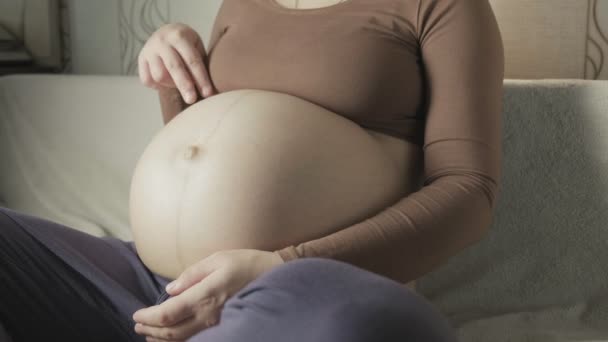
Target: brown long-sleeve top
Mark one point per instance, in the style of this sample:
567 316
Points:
427 71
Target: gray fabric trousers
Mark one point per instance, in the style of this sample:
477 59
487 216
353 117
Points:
60 284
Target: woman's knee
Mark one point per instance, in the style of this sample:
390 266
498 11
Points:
9 229
312 269
326 276
383 319
358 305
16 244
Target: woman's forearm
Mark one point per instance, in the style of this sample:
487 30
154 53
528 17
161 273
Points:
171 103
415 235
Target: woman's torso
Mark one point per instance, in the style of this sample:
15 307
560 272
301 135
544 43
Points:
262 170
287 171
358 58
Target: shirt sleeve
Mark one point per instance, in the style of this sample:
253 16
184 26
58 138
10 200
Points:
463 62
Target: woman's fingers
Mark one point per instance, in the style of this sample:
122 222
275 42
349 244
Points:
159 73
200 299
194 61
200 46
182 316
144 74
174 57
179 73
168 313
178 332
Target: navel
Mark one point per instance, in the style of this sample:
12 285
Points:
191 152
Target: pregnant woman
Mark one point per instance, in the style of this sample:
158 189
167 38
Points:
318 157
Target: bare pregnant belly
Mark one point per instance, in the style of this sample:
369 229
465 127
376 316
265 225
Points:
262 170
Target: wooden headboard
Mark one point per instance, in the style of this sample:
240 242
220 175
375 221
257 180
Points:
37 24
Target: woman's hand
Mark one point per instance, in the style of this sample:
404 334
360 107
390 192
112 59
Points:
200 292
173 57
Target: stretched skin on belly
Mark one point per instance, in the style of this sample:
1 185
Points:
254 169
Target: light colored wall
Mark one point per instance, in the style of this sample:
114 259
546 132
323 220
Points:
542 38
104 37
554 38
94 37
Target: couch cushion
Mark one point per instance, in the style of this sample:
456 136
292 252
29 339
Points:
69 144
540 272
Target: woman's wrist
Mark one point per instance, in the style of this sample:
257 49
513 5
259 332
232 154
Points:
288 253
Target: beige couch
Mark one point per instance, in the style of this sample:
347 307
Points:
539 275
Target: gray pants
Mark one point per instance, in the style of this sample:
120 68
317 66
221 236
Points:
60 284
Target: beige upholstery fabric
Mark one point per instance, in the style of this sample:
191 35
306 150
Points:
69 144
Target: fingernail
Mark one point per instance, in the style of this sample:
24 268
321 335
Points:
206 91
170 286
190 97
